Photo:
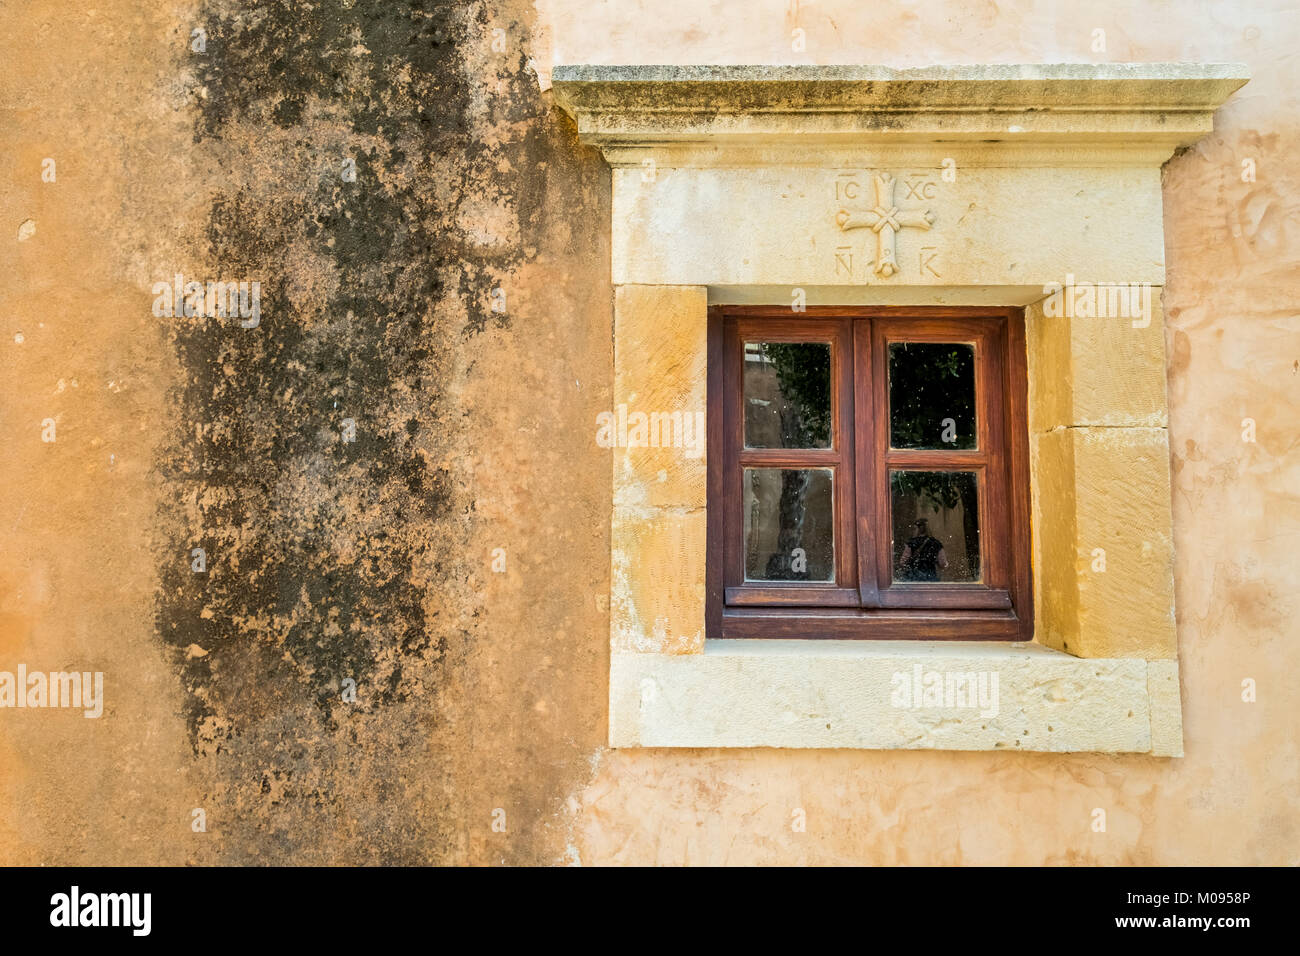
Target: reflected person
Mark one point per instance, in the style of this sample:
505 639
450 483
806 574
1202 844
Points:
923 555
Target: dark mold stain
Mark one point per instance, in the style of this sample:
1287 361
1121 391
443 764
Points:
322 555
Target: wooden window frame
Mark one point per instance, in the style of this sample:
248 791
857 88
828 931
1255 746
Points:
863 602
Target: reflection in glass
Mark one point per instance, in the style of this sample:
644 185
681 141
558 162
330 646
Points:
787 395
935 525
789 524
931 395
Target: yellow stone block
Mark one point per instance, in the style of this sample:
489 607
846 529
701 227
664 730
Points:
1055 547
1103 546
1047 342
1098 370
658 423
657 580
1122 509
1119 368
1102 521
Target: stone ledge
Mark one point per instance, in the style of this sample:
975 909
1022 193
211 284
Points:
844 694
1168 103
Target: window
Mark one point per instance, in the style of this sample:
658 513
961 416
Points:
868 474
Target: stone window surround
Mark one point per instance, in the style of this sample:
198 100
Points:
726 186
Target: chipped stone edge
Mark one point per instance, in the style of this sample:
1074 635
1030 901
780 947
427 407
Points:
839 694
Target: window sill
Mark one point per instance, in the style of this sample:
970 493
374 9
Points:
845 694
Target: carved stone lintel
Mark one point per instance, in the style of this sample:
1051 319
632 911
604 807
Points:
885 219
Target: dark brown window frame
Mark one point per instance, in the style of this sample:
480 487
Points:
863 602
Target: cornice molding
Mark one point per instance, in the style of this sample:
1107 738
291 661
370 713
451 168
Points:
1130 104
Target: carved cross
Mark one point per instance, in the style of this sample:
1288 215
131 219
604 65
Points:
884 220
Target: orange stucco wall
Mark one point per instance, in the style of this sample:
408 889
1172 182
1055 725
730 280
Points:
480 689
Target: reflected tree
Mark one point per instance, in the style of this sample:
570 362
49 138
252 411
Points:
929 382
803 370
804 373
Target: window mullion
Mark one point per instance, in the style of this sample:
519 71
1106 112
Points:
867 462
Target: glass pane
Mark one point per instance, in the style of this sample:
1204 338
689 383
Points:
936 525
787 395
931 395
789 524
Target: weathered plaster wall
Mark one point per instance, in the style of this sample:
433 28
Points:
373 560
370 560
